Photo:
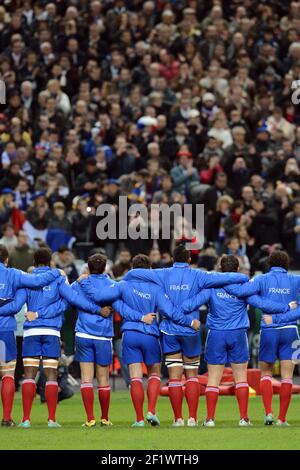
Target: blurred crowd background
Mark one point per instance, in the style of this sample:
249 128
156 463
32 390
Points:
160 101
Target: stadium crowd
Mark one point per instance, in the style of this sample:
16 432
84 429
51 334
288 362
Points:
179 101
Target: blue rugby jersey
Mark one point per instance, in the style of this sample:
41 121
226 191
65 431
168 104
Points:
50 302
181 282
276 285
228 312
143 297
13 279
96 325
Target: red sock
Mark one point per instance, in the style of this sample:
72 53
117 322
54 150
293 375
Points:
87 395
212 396
192 395
51 395
104 399
28 394
242 396
7 396
176 397
266 390
137 396
285 398
153 389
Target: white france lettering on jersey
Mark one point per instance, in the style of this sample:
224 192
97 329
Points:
224 295
279 290
47 288
143 295
179 287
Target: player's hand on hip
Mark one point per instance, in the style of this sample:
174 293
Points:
31 316
149 318
196 325
268 320
105 311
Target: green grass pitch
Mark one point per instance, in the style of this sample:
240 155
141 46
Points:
226 435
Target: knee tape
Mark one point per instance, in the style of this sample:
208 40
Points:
31 362
173 363
191 365
50 363
8 367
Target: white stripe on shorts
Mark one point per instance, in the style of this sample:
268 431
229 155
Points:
41 332
86 335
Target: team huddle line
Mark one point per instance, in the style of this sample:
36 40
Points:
160 312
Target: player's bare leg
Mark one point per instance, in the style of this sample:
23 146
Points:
87 392
266 390
102 374
31 365
192 388
153 389
7 373
242 391
137 393
287 372
51 392
174 364
215 373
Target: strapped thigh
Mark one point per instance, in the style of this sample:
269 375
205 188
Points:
191 364
31 362
173 362
8 367
50 363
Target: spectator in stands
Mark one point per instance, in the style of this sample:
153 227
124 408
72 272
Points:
9 238
21 257
216 84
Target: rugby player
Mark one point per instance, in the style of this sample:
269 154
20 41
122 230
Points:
93 341
10 281
276 341
181 344
140 342
227 342
42 332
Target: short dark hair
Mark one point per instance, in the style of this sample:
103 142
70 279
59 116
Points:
279 259
141 261
3 254
181 254
229 264
97 263
42 257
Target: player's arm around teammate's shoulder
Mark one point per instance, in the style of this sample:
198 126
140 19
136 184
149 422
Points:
247 289
33 281
146 275
215 279
107 294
